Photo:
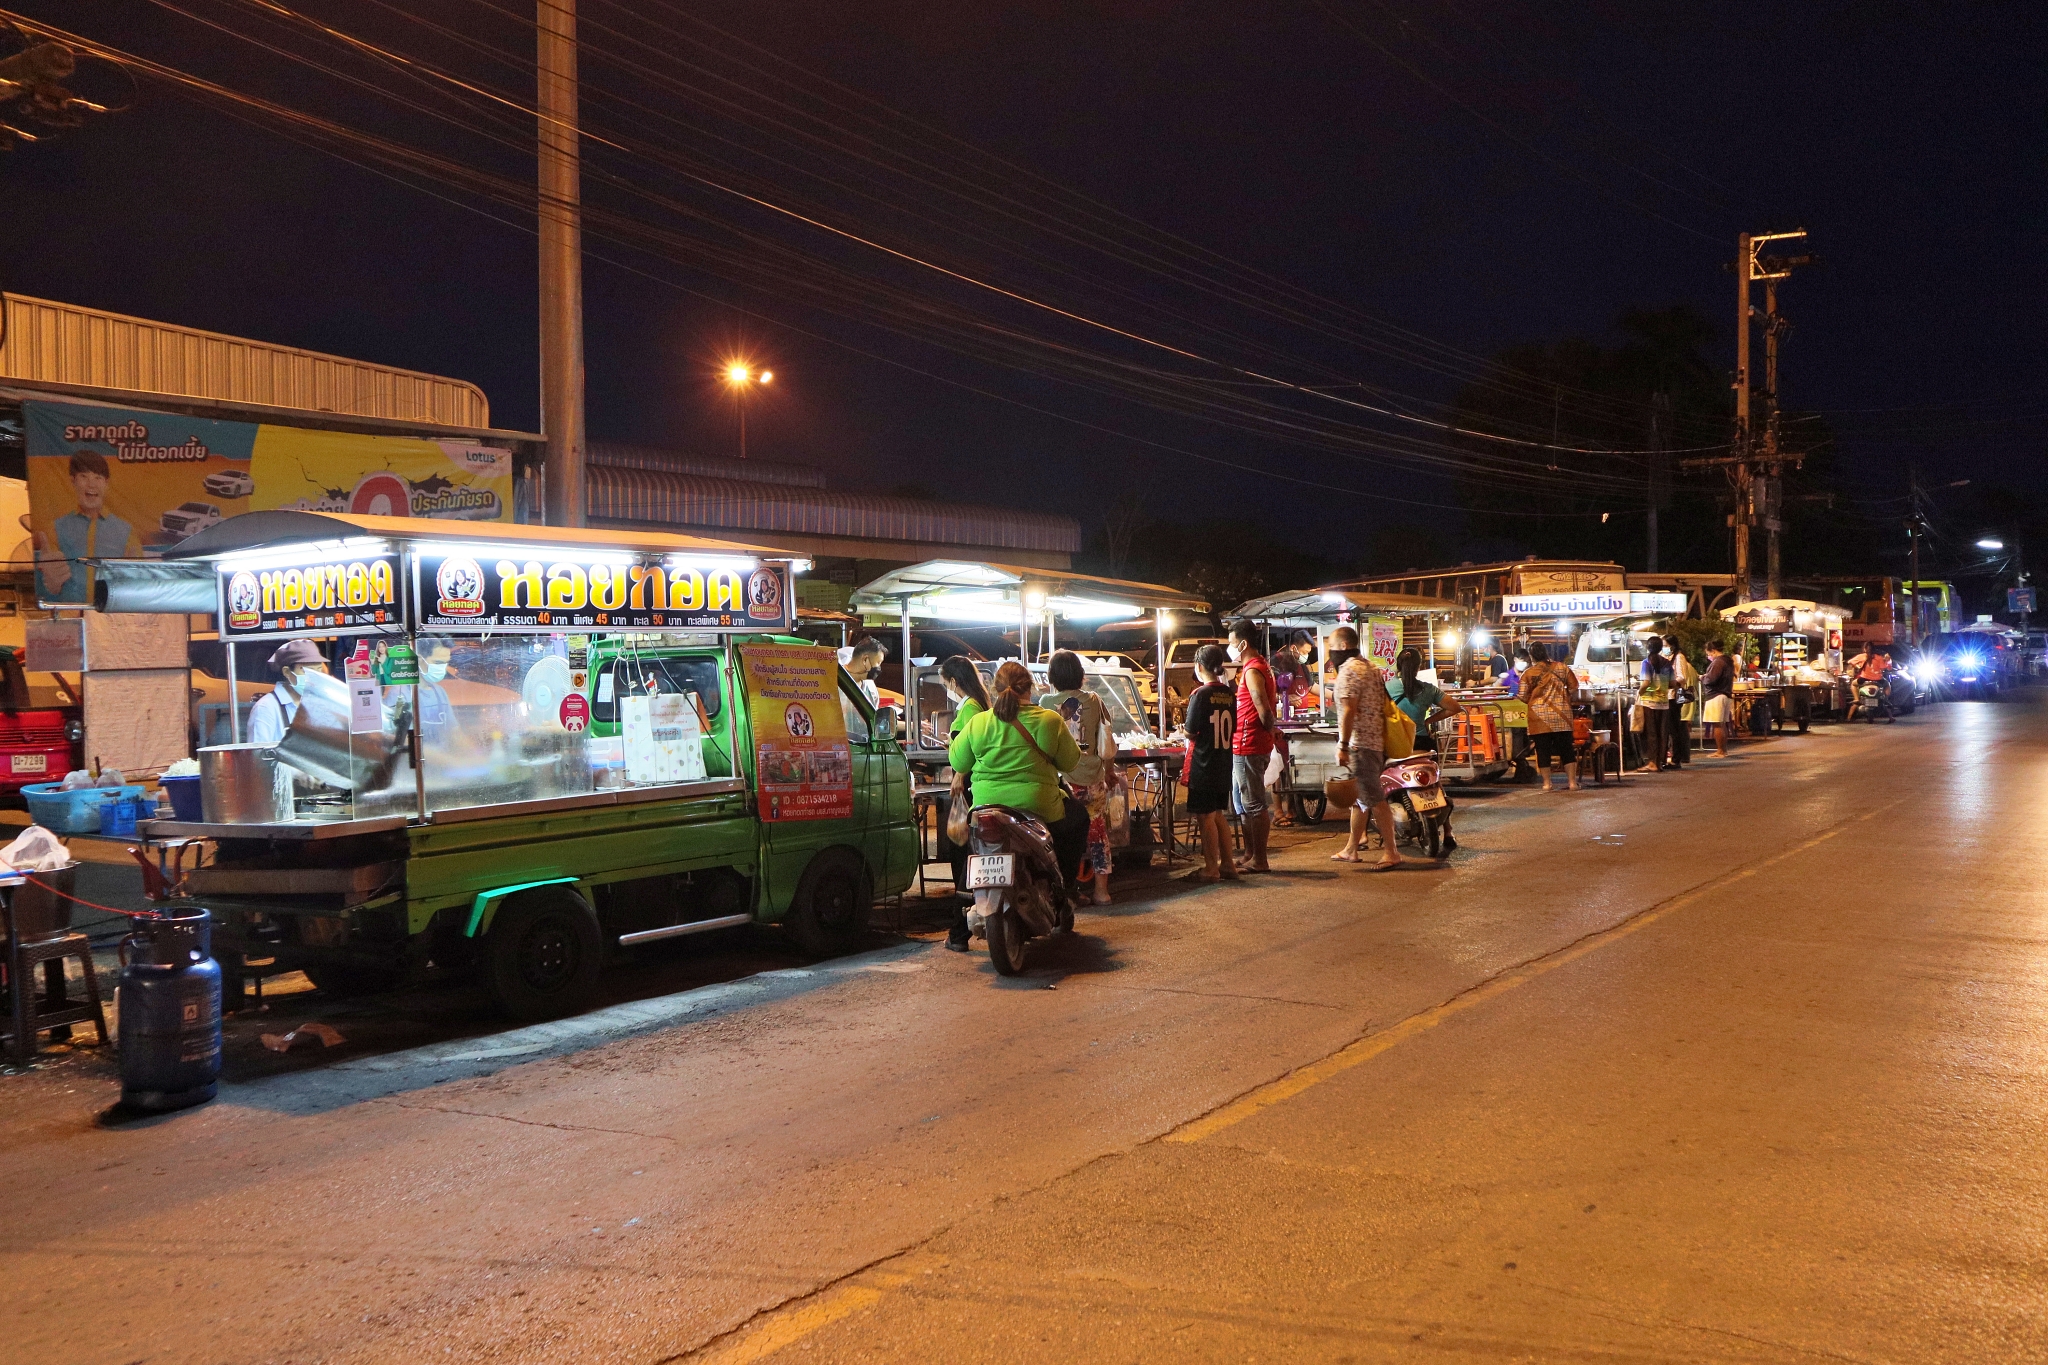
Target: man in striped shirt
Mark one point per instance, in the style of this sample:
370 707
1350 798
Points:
1362 747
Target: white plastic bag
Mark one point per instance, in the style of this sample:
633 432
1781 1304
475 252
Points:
36 850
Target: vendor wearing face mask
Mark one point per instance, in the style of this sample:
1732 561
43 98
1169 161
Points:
272 714
437 717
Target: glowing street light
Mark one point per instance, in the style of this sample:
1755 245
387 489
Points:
1990 543
741 377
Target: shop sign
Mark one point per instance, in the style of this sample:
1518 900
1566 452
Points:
1569 604
319 596
128 483
803 765
1381 636
1658 603
512 589
1762 620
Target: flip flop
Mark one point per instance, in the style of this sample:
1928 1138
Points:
1343 857
1385 867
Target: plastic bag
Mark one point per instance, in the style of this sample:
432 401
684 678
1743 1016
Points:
36 850
77 780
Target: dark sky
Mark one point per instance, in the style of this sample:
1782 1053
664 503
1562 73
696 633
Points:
1475 175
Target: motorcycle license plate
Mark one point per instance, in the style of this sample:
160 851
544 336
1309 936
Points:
1427 798
990 869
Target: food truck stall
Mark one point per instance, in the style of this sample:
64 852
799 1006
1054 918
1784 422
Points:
1799 676
1386 623
644 752
1047 606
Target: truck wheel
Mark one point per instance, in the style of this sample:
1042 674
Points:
829 914
544 954
345 979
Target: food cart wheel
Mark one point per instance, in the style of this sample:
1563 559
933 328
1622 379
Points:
1311 809
828 915
344 979
544 953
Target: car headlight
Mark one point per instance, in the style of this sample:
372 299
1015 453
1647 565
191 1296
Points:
1971 661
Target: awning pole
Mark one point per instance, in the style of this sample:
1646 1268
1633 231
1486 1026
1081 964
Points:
1023 628
1323 689
234 698
1051 632
1159 667
910 731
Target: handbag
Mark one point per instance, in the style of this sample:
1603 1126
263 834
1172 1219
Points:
1341 791
1400 739
958 810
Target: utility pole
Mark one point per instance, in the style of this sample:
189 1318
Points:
1660 473
561 264
1913 552
1748 458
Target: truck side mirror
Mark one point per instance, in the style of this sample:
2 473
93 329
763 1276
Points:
886 720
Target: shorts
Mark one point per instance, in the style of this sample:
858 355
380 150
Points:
1248 783
1555 746
1366 765
1208 800
1719 710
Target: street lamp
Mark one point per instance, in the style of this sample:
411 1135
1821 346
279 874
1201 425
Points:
742 378
1990 543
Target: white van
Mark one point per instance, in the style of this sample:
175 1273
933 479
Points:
1599 661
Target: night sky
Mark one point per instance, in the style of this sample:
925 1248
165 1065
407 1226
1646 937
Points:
1456 177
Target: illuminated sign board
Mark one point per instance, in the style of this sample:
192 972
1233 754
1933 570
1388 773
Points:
1567 604
315 596
1658 603
517 589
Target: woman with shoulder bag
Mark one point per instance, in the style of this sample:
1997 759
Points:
1013 755
1088 721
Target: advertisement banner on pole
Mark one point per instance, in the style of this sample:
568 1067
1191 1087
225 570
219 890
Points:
127 483
803 763
1381 637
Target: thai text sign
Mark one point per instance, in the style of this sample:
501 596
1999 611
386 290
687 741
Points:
515 588
126 483
321 596
803 766
1381 636
1567 604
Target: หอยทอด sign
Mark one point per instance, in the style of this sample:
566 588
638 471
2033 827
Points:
514 589
1567 604
318 597
128 483
803 765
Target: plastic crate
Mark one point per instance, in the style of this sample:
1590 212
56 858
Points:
72 812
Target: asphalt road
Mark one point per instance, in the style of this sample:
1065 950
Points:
1743 1063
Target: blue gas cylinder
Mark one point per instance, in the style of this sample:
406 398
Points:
170 1014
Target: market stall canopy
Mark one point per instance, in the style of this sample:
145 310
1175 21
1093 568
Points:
1324 605
184 579
961 590
1777 615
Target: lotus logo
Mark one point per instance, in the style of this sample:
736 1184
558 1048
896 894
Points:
460 585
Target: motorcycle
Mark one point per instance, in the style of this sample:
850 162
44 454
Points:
1422 810
1015 879
1874 699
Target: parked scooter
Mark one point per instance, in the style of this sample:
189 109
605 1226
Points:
1874 699
1014 874
1422 811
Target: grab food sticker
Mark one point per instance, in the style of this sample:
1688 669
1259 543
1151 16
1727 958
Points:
803 765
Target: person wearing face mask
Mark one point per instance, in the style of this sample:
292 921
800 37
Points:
437 715
273 713
1251 744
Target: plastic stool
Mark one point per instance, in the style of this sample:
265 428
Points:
35 1012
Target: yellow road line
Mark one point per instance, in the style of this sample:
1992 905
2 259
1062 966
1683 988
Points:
793 1325
1371 1046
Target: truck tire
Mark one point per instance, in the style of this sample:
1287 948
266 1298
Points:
828 916
543 955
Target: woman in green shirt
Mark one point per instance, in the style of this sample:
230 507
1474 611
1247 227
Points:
1004 768
970 699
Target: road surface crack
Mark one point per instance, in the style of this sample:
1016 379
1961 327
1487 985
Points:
1223 995
526 1123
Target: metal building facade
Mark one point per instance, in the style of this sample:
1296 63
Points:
60 343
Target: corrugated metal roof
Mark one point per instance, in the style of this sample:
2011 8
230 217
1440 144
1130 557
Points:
649 495
61 343
624 456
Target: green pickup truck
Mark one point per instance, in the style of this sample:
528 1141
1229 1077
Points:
554 746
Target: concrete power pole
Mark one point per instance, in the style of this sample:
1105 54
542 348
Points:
1913 551
1774 485
561 264
1745 517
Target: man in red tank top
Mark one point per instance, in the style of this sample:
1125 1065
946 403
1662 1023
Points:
1252 744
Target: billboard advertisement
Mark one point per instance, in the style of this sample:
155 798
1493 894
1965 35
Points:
125 483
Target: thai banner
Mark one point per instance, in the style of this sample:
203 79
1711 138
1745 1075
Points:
127 483
317 596
512 587
1380 640
803 766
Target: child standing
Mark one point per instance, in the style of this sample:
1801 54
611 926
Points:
1211 721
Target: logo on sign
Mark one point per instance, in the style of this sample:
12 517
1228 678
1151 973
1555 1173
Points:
575 713
764 595
797 720
460 586
245 602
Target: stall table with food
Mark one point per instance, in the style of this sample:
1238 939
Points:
1799 676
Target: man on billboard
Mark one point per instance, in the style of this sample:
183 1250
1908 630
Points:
90 532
